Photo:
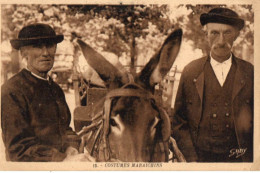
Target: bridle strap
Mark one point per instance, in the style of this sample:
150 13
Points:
127 92
124 91
106 118
121 92
107 109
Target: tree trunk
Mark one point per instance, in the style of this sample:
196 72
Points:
75 77
132 54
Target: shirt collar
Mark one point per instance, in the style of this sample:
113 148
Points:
213 62
39 77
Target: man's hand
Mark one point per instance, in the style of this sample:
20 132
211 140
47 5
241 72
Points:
71 151
74 156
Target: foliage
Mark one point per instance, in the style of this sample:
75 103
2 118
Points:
130 22
112 28
134 31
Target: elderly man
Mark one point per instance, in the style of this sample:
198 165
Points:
213 117
35 117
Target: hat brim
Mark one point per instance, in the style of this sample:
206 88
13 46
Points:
18 43
215 18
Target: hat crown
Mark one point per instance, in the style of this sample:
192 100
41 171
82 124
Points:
36 31
224 12
36 34
223 16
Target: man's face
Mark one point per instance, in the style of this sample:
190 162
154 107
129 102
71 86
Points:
40 58
221 38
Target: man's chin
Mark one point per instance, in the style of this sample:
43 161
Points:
45 70
222 53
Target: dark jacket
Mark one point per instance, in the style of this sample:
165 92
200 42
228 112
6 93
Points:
189 106
35 119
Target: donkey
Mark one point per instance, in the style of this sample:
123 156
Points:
129 124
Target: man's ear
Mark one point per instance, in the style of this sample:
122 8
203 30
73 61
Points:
205 30
237 33
23 52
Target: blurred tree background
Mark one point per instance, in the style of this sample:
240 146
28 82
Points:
131 32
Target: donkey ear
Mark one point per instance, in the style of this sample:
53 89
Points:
162 61
112 76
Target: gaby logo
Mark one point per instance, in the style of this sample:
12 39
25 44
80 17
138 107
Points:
237 152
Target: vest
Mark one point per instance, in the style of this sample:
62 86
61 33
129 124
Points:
216 130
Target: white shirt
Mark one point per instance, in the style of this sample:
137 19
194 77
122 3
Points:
221 69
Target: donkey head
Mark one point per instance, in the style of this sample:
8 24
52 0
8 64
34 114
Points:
135 123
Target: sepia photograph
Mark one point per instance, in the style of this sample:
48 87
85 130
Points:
130 85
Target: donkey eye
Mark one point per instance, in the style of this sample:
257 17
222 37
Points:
116 125
113 122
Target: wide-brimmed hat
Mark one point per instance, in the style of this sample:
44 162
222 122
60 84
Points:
36 34
222 15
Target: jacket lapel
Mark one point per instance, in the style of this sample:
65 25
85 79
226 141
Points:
199 80
199 83
239 81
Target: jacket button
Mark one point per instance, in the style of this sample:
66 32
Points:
194 80
189 101
227 125
227 114
226 104
247 101
214 115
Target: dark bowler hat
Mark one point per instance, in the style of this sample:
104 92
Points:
222 15
36 34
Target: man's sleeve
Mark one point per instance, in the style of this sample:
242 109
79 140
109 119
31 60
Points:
18 136
180 126
72 139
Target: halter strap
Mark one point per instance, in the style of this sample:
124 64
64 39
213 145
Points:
120 92
129 92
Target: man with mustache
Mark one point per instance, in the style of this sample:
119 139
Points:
213 113
35 117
